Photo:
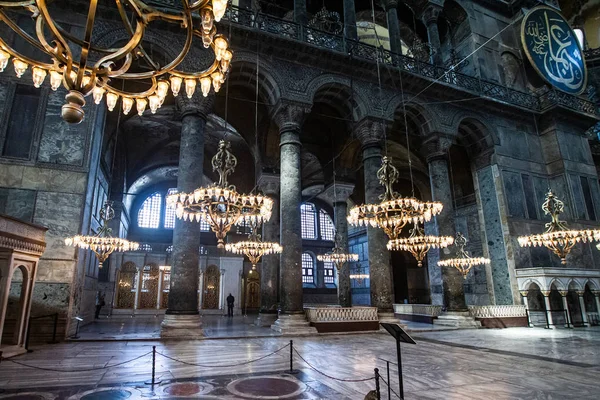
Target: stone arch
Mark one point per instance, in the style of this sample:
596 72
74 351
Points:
338 92
425 119
476 135
312 170
16 307
535 298
212 288
532 284
575 285
270 86
557 283
591 284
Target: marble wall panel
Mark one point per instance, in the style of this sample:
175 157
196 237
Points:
61 142
515 198
49 298
55 270
11 175
61 214
17 203
579 201
54 180
561 190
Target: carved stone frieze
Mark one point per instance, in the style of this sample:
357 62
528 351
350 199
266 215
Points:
289 115
436 146
370 131
20 236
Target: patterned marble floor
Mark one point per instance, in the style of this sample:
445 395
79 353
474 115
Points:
443 369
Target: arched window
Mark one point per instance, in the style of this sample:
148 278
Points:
149 214
308 213
170 212
326 226
308 268
329 274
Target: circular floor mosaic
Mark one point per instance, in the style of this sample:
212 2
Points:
266 387
114 393
191 389
28 396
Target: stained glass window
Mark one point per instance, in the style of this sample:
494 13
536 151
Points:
326 225
329 275
149 214
170 212
308 268
308 213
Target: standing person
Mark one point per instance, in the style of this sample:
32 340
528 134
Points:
99 303
230 300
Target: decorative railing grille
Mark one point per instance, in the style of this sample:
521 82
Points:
418 309
341 314
501 311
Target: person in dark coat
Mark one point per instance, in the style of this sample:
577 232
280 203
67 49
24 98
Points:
99 304
230 301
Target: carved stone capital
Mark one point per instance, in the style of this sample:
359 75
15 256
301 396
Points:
580 293
545 293
436 146
269 184
524 293
289 115
389 4
338 194
563 293
197 105
370 131
430 14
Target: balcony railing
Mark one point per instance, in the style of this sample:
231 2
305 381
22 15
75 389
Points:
291 30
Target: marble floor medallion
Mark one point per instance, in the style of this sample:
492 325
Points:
28 396
187 389
267 387
108 393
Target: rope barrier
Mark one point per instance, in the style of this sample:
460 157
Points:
329 376
77 370
388 385
222 365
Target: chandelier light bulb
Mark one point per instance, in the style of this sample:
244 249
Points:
20 67
219 7
205 83
217 79
175 84
97 93
226 60
207 21
220 47
162 88
4 56
127 104
38 75
55 80
154 103
111 100
190 87
140 104
206 40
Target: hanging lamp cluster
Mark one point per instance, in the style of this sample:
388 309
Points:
359 275
462 261
84 68
337 255
558 238
418 244
254 248
103 244
220 205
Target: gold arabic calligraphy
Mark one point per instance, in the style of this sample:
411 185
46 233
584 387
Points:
558 50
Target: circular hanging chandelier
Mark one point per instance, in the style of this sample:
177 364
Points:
220 205
462 261
337 255
394 211
102 244
254 248
84 68
359 274
558 238
418 244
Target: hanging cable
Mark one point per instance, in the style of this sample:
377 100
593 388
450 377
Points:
412 183
378 49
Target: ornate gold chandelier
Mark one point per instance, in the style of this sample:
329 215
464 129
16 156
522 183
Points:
83 68
220 205
394 211
254 248
418 244
359 274
102 244
558 238
462 261
337 256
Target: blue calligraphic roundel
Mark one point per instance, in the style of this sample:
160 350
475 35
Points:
553 49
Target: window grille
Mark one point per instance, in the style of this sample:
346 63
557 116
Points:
308 267
327 228
308 214
329 274
149 214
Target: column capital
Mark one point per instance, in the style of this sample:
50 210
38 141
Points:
430 13
580 293
389 4
436 146
524 293
338 194
289 115
563 293
197 105
269 183
545 293
370 132
596 292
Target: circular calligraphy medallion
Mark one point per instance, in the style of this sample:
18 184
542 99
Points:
553 49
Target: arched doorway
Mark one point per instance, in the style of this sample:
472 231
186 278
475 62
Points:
14 323
211 286
127 286
252 294
556 307
590 305
148 295
536 305
574 306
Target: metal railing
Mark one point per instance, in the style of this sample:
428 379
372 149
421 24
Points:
54 327
291 30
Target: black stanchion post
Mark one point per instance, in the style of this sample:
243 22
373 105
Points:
153 364
389 382
400 383
27 336
547 320
377 390
291 356
54 327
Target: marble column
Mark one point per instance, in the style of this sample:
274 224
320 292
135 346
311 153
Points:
597 298
269 266
584 316
338 196
393 23
350 20
524 294
549 318
563 294
182 318
453 281
370 132
289 117
429 17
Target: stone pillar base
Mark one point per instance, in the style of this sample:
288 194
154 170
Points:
457 319
181 327
265 319
295 324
